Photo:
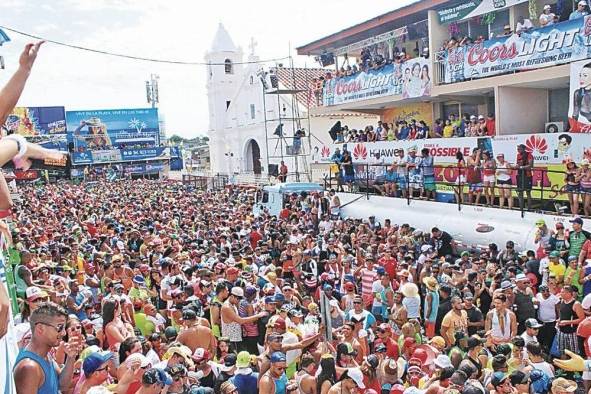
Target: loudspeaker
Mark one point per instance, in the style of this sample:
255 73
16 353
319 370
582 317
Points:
326 59
334 130
273 169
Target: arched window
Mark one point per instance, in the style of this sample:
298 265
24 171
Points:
228 66
252 80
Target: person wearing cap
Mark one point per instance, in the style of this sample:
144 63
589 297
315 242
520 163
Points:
245 380
195 335
154 380
274 381
547 17
96 370
76 301
577 237
524 25
523 301
580 12
431 305
501 383
226 371
500 321
350 381
139 290
563 386
475 316
232 321
532 328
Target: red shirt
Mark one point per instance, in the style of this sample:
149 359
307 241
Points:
392 349
587 249
490 127
389 265
255 237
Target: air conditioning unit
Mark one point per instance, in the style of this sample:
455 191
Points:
554 127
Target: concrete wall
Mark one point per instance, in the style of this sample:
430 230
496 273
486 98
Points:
521 110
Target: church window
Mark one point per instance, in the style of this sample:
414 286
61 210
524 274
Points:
228 66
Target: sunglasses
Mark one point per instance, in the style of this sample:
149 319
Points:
357 302
58 328
101 369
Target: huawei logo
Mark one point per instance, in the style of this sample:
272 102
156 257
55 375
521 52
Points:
535 144
325 152
360 152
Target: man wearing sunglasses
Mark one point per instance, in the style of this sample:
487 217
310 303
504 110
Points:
34 371
275 379
154 380
96 370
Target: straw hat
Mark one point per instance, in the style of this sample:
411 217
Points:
430 282
409 290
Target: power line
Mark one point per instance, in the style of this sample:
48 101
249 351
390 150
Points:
145 59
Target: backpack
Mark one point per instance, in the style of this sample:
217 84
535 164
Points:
540 382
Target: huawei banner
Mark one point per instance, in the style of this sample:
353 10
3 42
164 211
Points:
579 108
550 152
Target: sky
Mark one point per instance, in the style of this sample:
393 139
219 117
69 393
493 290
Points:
180 30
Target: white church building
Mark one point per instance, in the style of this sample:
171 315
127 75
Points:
240 111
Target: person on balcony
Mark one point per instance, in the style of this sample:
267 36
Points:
503 174
524 165
547 17
524 25
572 185
474 176
448 129
585 179
580 12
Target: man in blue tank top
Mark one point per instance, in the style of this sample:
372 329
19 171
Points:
35 371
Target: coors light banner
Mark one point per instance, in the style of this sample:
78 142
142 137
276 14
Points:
556 44
410 79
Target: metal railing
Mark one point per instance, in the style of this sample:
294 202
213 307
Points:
544 193
205 183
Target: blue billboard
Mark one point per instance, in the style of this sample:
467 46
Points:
114 128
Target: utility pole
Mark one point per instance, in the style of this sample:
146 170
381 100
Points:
152 90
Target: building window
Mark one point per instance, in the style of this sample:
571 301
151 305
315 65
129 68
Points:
252 80
228 66
252 111
228 104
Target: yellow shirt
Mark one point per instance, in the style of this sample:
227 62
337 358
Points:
448 131
557 269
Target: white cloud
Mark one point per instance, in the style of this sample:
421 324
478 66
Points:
175 30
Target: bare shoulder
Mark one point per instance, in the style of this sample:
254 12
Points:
28 375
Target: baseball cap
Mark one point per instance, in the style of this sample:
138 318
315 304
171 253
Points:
34 292
156 375
498 378
442 361
243 359
93 361
138 357
232 271
540 223
518 377
170 332
229 362
532 323
280 324
277 357
200 354
438 341
269 300
357 376
474 341
139 280
577 220
237 292
189 314
547 7
582 2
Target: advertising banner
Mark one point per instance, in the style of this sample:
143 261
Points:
417 111
471 8
579 107
555 44
454 65
410 79
142 154
550 152
118 128
36 121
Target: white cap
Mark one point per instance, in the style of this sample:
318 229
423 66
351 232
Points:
480 116
582 2
442 361
473 117
237 291
357 376
426 248
135 357
34 293
547 7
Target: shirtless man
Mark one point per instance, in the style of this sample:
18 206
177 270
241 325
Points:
195 335
500 321
347 332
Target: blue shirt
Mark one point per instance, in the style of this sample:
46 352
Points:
576 14
51 381
427 166
246 383
404 131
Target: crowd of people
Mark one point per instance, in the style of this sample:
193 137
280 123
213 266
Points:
402 130
139 285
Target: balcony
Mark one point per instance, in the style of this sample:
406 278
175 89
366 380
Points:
553 45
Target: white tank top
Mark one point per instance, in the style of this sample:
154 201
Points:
233 330
496 326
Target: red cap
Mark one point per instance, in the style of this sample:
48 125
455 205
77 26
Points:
421 354
349 286
232 271
397 389
200 354
385 327
279 324
408 342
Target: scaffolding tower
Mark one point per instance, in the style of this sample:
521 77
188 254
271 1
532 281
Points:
287 132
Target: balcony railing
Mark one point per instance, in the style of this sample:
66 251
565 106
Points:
545 195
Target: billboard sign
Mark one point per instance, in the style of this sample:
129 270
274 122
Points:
99 129
36 121
471 8
410 79
559 43
579 112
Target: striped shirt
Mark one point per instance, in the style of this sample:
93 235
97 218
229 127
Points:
367 278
